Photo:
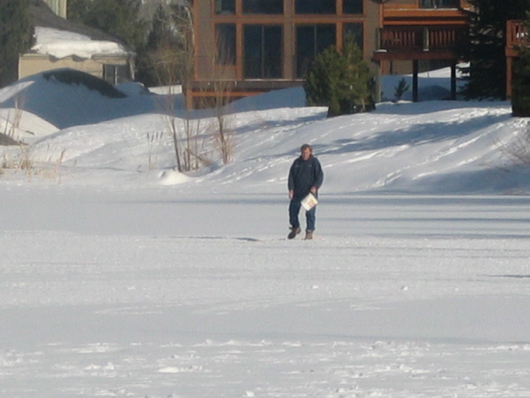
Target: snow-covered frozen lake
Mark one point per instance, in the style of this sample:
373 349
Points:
151 294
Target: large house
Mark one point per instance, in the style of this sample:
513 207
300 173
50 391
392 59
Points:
246 47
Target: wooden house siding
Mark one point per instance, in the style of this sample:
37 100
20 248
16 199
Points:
402 31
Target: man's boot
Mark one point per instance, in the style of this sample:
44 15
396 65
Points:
294 231
308 235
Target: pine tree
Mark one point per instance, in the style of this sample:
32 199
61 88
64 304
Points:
162 30
401 88
77 9
521 85
15 37
165 59
341 81
120 18
521 80
485 52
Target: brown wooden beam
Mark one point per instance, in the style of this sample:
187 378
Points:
415 69
242 85
509 76
412 55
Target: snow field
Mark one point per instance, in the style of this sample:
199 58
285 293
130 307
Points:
421 297
121 277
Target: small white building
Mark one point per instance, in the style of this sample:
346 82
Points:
60 43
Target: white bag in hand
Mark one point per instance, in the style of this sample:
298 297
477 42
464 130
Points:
309 202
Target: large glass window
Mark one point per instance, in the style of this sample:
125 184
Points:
262 51
263 6
355 30
225 7
439 3
352 6
315 7
311 40
226 43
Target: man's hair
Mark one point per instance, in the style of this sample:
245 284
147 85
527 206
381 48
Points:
306 146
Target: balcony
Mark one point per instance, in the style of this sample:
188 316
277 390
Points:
417 43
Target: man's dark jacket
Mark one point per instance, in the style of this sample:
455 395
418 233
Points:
303 175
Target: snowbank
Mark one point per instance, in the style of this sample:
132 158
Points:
426 147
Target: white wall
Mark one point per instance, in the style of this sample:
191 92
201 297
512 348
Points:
58 6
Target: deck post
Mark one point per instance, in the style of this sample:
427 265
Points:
453 80
415 68
509 77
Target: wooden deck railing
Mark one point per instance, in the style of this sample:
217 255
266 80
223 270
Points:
420 38
516 34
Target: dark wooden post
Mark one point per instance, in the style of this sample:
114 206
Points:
509 73
453 81
415 68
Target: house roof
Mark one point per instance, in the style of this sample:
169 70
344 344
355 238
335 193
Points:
41 15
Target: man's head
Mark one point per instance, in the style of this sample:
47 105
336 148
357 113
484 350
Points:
306 151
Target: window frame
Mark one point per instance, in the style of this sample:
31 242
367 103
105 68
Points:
231 60
223 13
282 12
263 53
355 13
334 12
300 70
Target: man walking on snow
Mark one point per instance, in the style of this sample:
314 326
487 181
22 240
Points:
305 176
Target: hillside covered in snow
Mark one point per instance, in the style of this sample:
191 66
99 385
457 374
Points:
434 146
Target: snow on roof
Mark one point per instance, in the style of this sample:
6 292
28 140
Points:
61 44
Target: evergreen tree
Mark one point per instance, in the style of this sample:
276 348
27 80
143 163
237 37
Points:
120 18
521 80
485 52
165 60
162 30
15 37
77 9
341 81
521 85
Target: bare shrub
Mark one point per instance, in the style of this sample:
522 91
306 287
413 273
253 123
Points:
12 124
173 65
222 88
153 140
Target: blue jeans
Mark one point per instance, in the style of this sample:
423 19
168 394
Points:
294 209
